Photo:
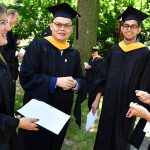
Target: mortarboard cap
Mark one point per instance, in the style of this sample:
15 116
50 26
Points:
95 49
64 10
132 14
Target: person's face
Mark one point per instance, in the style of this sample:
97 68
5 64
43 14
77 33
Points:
130 30
61 28
13 19
94 53
3 29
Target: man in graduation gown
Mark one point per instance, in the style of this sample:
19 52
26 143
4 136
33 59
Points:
50 72
114 128
93 67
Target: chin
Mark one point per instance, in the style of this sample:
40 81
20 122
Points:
61 40
129 39
4 42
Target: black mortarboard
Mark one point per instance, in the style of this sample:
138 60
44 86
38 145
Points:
132 14
64 10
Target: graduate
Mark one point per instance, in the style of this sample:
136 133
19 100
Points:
51 72
8 124
114 128
92 68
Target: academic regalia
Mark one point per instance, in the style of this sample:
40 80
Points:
8 124
140 80
114 128
91 76
8 53
41 63
46 32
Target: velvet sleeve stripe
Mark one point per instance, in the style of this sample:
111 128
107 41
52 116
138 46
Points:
52 84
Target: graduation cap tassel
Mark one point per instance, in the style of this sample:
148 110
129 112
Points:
119 31
77 27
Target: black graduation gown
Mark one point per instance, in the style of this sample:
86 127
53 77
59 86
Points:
46 32
114 128
8 53
8 124
91 76
41 61
140 80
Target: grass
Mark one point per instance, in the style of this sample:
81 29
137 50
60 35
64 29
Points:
76 138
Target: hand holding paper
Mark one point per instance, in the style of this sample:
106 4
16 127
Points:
90 119
49 117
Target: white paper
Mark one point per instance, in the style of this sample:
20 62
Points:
147 127
86 65
22 51
49 117
90 119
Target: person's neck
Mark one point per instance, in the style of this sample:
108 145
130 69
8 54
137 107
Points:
127 42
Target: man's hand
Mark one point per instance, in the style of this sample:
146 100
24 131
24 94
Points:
66 83
28 124
20 55
137 110
95 104
143 96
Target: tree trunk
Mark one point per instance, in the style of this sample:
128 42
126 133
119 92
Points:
88 22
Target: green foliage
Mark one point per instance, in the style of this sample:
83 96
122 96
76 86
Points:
35 18
7 2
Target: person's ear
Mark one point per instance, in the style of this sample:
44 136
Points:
121 28
51 26
139 30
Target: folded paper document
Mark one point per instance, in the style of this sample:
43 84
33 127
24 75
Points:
90 119
49 117
147 127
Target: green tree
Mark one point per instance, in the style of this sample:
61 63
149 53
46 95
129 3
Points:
88 23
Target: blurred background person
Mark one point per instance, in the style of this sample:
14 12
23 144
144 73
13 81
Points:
92 68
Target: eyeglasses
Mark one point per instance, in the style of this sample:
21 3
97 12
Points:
60 25
132 27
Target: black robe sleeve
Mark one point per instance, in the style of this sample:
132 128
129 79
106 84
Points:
103 74
30 74
8 123
140 79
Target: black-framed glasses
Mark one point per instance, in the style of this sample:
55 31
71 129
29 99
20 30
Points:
132 27
60 25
